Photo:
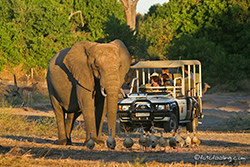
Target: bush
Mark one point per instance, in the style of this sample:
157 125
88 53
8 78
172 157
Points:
32 31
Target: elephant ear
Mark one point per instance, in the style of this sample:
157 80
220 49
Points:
124 57
76 62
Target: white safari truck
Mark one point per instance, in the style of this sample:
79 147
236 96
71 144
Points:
167 106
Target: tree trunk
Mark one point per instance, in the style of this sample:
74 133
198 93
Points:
129 7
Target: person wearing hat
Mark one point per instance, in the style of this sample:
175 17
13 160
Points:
155 79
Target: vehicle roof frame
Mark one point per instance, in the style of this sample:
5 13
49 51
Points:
165 63
168 64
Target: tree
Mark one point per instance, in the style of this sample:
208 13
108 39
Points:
96 14
32 31
158 34
129 7
117 29
214 32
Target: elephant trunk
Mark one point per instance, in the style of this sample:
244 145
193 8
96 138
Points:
112 91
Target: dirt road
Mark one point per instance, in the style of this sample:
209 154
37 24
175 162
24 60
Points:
220 142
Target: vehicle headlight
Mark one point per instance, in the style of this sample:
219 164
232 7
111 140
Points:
123 107
162 107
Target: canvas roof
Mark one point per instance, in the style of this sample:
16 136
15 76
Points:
165 63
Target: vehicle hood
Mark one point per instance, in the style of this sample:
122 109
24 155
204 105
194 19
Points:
152 99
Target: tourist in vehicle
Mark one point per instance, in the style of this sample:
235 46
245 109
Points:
186 72
166 81
166 78
165 71
155 80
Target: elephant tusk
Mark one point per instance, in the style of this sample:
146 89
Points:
103 93
123 94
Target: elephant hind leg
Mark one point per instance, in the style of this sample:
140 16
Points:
60 120
71 117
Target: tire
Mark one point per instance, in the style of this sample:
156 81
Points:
126 127
191 126
171 124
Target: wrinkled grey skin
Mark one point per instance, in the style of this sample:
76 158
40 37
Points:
75 77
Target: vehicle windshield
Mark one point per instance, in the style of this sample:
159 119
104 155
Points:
158 93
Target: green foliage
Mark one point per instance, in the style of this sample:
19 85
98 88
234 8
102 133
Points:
152 10
97 13
32 31
214 32
157 34
188 47
116 29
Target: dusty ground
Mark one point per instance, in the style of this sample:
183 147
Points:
220 144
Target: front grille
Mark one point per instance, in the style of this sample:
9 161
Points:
124 114
141 107
140 119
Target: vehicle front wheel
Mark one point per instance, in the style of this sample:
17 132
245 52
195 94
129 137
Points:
191 126
171 124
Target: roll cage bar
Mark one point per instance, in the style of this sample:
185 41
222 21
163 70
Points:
193 86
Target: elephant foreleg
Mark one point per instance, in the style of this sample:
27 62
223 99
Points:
86 104
60 120
71 117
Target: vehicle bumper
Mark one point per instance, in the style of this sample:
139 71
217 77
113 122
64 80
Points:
140 117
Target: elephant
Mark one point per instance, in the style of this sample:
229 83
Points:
85 79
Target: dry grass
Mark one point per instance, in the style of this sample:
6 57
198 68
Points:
27 160
12 124
30 142
239 122
19 125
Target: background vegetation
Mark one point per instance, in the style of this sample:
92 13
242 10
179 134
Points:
216 32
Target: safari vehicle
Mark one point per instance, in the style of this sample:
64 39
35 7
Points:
165 106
